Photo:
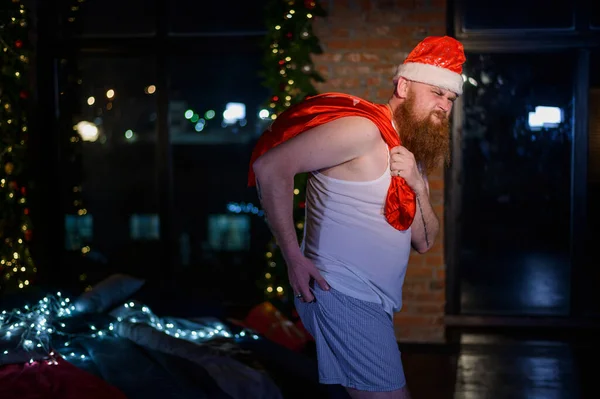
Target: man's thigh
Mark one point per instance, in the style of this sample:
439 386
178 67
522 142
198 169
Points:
355 341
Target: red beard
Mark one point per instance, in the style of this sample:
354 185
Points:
428 140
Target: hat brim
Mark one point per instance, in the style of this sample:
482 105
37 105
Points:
432 75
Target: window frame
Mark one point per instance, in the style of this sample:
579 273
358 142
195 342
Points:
581 40
54 44
582 31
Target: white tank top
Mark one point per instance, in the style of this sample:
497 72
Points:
348 238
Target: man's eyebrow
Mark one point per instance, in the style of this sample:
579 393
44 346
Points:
453 95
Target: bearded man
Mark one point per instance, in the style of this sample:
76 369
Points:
367 205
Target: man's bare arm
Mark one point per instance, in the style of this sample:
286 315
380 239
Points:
322 147
277 205
426 226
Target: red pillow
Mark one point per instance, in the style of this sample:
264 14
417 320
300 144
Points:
53 380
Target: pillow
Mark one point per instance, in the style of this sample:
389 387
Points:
107 293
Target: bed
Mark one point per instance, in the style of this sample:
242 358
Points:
107 343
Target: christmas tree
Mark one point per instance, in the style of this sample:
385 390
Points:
16 265
290 75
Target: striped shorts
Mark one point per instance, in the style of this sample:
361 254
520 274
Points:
355 340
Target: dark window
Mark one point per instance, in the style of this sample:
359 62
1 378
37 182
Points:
215 118
517 15
595 17
114 178
217 97
591 272
516 185
193 16
228 232
114 17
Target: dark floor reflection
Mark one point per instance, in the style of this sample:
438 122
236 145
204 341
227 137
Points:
486 366
515 370
535 283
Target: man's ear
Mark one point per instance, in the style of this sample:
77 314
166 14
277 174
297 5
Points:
402 87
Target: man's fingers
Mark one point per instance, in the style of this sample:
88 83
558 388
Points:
307 295
396 157
401 158
396 166
397 163
321 281
401 153
303 293
301 282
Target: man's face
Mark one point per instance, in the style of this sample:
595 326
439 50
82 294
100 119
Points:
431 102
423 123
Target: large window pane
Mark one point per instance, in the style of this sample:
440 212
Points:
110 176
595 17
517 14
591 272
215 101
516 165
192 16
114 17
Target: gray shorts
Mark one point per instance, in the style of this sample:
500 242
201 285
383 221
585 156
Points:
355 340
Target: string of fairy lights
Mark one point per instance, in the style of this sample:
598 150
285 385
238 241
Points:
43 330
16 264
290 74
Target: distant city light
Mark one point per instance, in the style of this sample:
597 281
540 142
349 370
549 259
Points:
545 117
128 134
188 114
234 112
91 100
150 89
264 114
87 130
210 114
110 93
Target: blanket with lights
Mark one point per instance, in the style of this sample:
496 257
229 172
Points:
57 348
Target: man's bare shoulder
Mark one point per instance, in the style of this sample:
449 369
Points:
329 144
356 125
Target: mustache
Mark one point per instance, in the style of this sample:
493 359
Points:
441 114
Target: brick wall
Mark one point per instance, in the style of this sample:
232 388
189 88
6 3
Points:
363 42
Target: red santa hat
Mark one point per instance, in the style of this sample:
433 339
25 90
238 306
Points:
436 61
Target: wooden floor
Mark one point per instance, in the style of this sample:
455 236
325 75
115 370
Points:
498 367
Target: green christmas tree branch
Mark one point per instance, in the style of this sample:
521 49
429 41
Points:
289 73
17 268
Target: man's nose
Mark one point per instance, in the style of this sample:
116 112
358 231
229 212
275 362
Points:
445 105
